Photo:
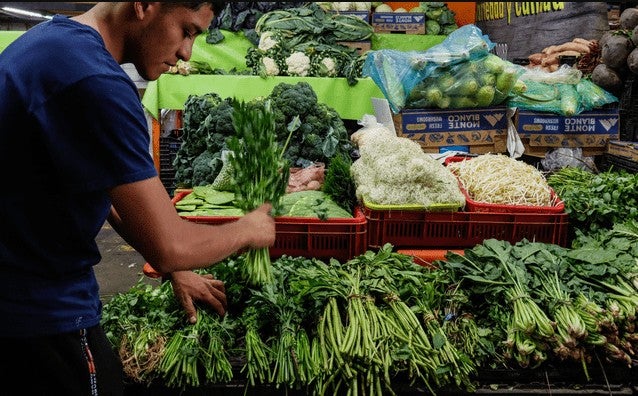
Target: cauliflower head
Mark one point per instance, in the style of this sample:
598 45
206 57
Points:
298 64
267 41
327 67
270 66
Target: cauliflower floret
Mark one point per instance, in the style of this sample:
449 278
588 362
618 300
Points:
298 64
343 5
328 67
266 41
270 66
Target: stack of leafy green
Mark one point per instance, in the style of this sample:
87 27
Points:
360 327
545 303
304 42
206 124
440 20
243 16
207 201
596 201
379 320
318 134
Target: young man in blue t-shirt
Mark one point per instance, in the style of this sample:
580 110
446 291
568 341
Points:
74 148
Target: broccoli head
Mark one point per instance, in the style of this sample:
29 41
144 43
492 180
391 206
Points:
206 166
298 99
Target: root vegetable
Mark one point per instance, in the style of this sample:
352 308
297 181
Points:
634 36
632 61
629 18
571 46
582 41
615 51
551 59
569 53
536 58
606 78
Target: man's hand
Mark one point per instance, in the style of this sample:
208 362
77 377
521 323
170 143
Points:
190 287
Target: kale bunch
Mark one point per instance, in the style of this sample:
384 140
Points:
206 125
243 16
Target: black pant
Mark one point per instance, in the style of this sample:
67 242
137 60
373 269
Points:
70 364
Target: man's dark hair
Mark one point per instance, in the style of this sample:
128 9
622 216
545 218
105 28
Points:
216 6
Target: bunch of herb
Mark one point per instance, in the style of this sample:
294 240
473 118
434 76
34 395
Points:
599 201
339 184
138 324
198 349
260 173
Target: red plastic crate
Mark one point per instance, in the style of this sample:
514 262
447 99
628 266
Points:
339 238
420 229
476 206
558 206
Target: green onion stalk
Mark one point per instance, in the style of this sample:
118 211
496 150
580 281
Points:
260 173
257 352
571 329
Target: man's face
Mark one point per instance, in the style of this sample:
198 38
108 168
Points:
167 35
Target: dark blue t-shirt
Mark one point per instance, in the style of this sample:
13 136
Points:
71 127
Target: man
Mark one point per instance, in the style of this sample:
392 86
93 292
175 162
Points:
74 153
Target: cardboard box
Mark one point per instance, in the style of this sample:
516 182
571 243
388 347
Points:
361 46
398 22
477 131
590 130
627 150
364 15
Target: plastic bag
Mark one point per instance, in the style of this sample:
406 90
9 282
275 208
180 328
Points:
563 157
308 178
480 82
396 73
369 127
562 92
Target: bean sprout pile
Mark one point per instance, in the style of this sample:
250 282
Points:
499 179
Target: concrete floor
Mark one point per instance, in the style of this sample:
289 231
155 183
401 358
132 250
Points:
121 266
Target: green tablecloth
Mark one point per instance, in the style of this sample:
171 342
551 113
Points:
170 91
404 42
351 102
7 37
228 54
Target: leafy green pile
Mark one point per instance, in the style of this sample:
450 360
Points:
596 201
312 203
365 325
358 326
318 131
545 303
243 16
207 201
206 125
305 41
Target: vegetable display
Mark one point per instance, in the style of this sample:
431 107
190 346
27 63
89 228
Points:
318 133
596 201
460 72
207 201
618 54
377 321
484 82
305 42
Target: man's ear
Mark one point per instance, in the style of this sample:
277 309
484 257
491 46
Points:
145 8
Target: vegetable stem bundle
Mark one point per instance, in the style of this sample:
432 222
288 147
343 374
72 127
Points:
260 173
